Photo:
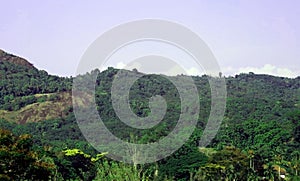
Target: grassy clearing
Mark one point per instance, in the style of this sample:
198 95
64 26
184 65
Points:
39 111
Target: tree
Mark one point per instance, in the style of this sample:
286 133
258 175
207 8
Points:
295 165
269 172
19 162
228 163
111 170
75 164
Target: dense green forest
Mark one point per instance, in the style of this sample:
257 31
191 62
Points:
259 138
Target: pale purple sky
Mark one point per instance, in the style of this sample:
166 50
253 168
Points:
262 36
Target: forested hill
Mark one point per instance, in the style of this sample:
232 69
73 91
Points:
21 78
262 116
5 57
28 94
249 95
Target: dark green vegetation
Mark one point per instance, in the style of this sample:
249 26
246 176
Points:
259 138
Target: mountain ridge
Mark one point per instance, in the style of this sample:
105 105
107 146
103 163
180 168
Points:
4 56
20 82
261 121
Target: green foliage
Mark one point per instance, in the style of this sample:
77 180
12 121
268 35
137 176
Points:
257 139
75 164
119 171
18 161
183 163
19 81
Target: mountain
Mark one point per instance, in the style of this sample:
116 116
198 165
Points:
5 57
261 126
28 94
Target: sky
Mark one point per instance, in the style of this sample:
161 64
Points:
260 36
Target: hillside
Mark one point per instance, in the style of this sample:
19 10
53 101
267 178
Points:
28 94
47 106
20 78
261 123
5 57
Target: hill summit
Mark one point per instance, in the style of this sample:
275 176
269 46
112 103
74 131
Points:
4 56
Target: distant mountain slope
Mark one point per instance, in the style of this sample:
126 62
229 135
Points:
6 57
262 117
20 82
48 106
250 96
18 77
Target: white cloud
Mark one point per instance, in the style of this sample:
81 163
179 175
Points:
120 65
172 71
228 70
193 71
269 69
177 70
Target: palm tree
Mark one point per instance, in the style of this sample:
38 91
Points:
251 159
252 176
269 172
200 174
295 163
230 173
278 162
